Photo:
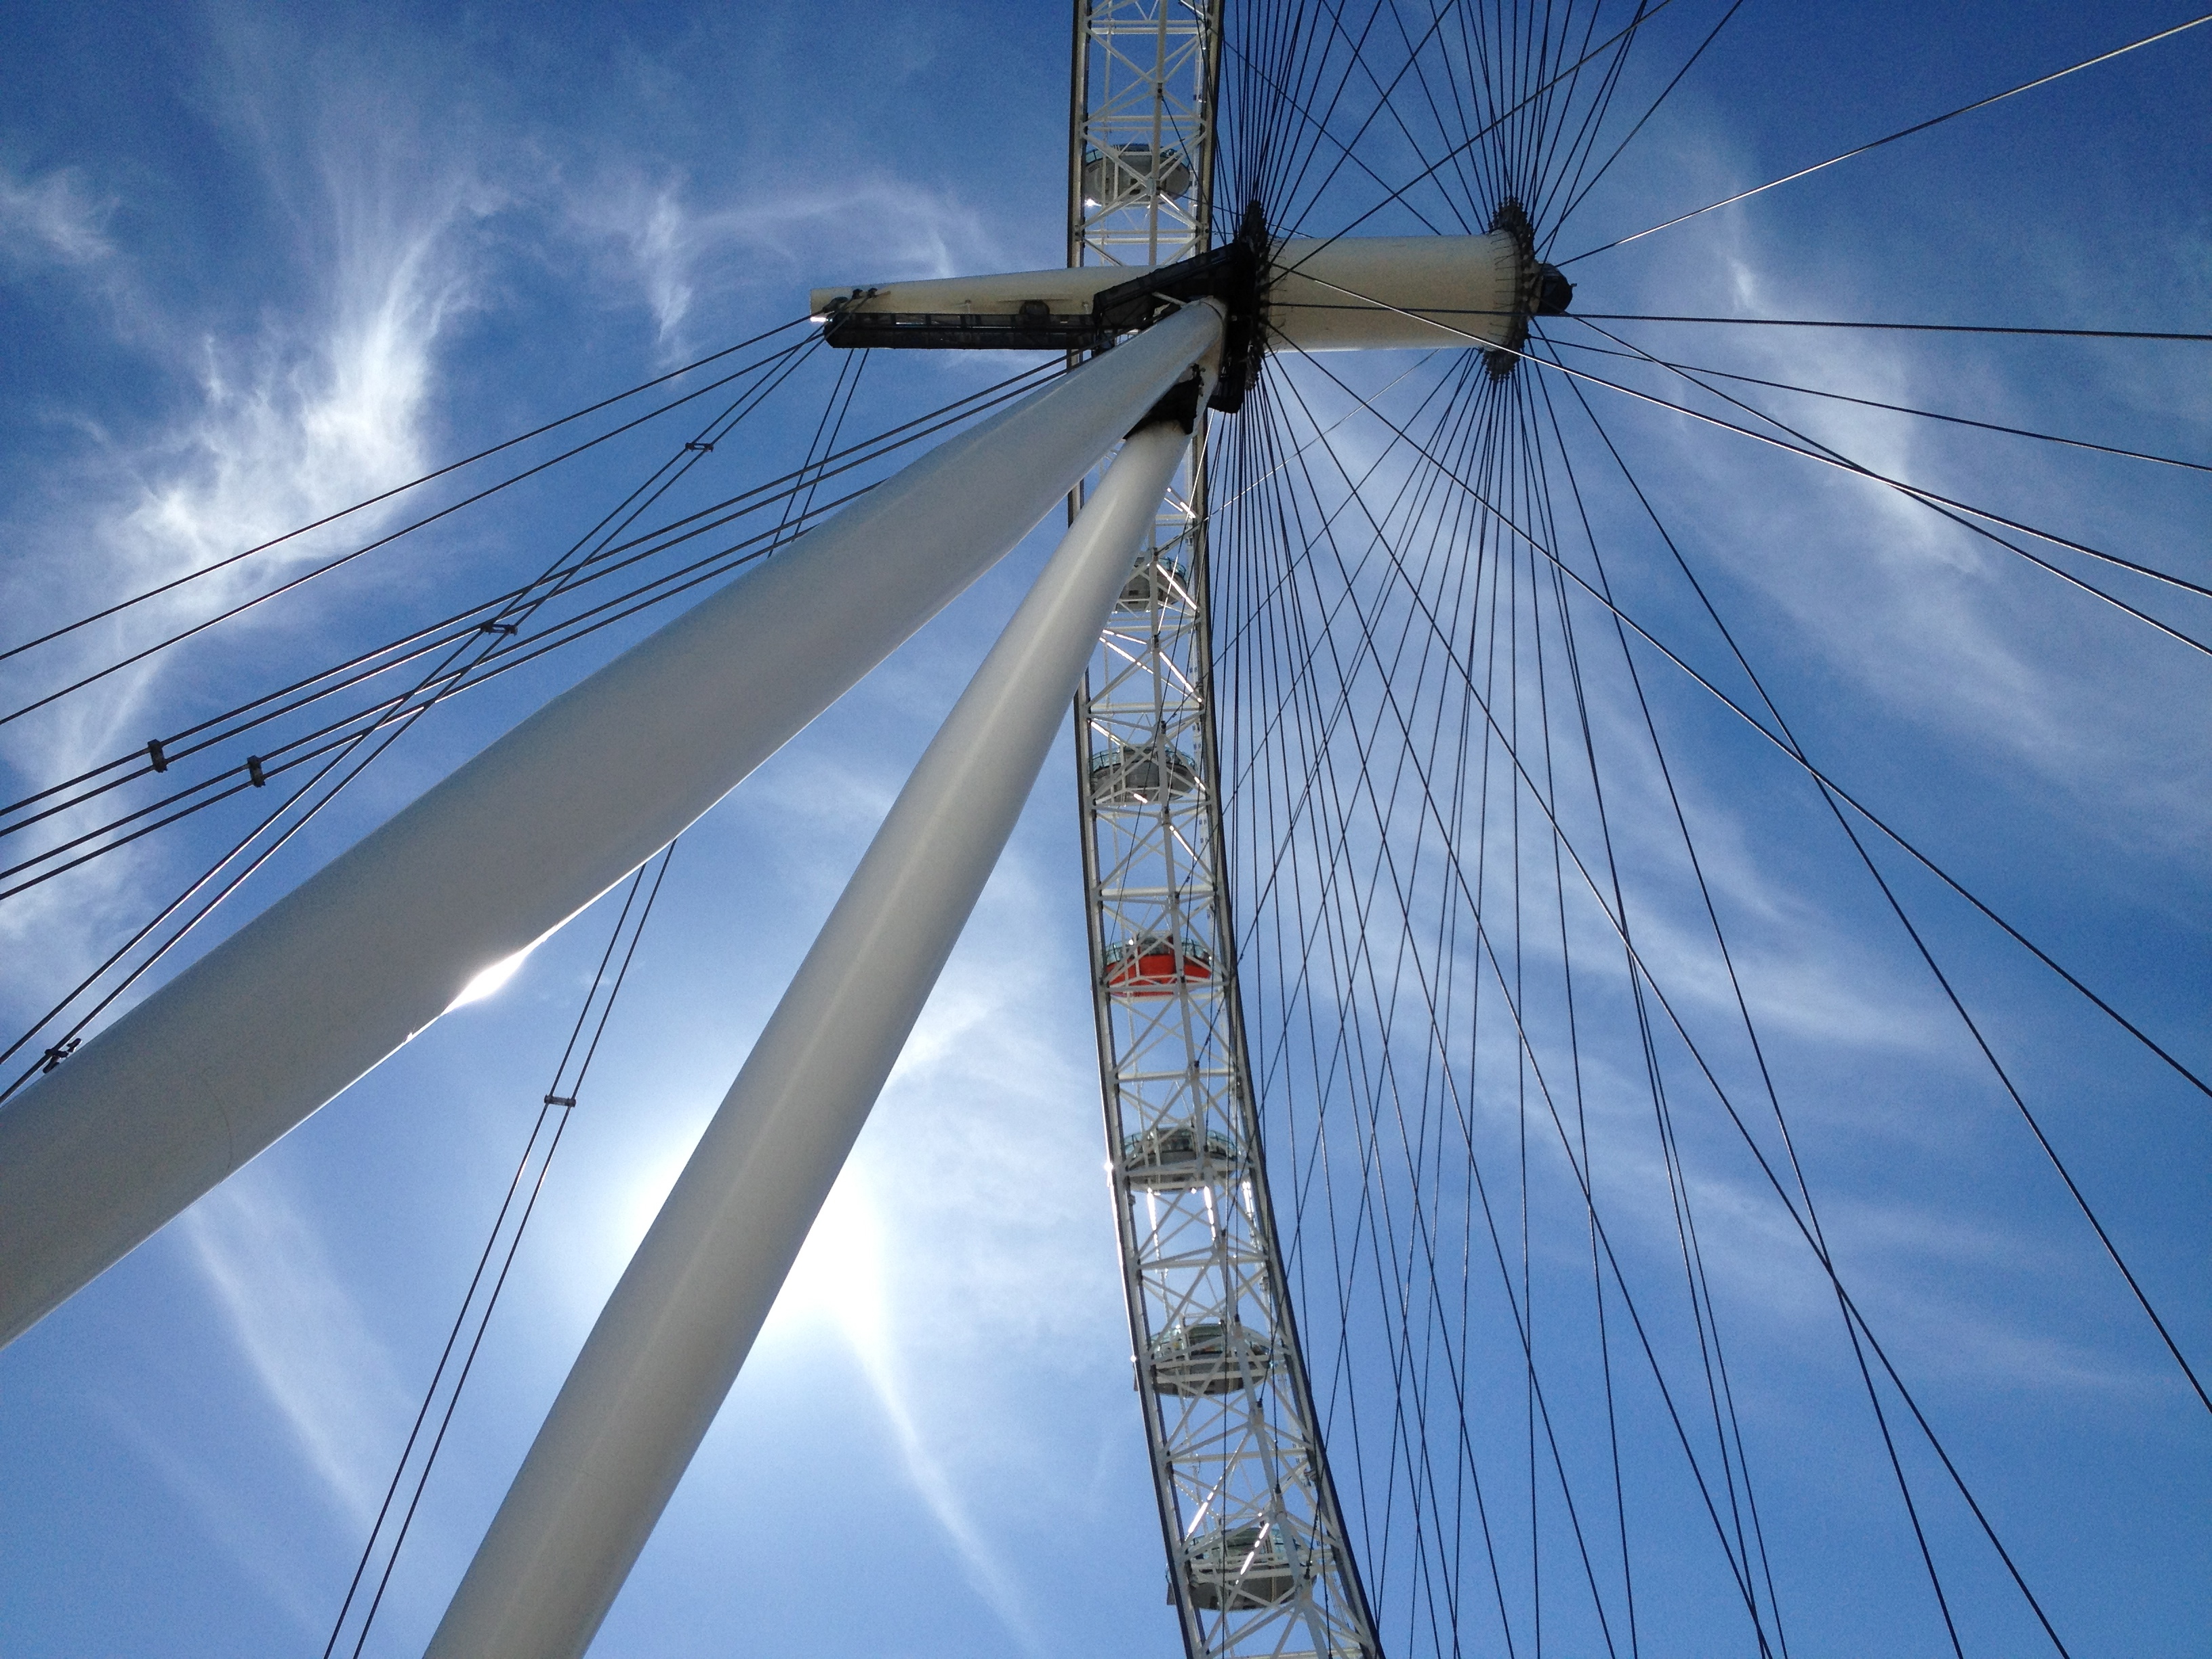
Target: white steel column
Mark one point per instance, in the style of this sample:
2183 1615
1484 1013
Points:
240 1046
672 1336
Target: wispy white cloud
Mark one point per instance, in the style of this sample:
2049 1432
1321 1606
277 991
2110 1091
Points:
676 250
329 391
1943 631
252 1535
304 1338
53 217
315 412
325 399
841 1271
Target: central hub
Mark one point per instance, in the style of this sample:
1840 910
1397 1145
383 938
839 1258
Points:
1543 290
1343 294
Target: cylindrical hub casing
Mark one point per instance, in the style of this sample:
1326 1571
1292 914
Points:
1353 293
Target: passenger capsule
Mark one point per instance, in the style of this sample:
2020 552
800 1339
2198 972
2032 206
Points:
1209 1356
1150 966
1178 1157
1235 1568
1131 175
1142 775
1155 585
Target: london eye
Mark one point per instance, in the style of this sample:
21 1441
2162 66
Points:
1631 581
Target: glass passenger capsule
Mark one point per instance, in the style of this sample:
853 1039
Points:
1208 1356
1235 1568
1155 585
1151 966
1140 774
1177 1156
1121 175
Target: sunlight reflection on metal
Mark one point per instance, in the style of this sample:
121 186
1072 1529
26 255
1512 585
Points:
489 981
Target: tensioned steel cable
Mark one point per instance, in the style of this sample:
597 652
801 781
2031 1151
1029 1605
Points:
1637 355
1963 513
1902 132
1850 1312
1292 188
1561 180
1829 783
1973 1028
1949 504
1308 956
414 483
1693 1251
1497 122
1291 103
509 650
2103 1238
368 665
1631 1302
1571 657
1385 682
1876 1348
1580 315
508 612
1329 714
781 360
1577 188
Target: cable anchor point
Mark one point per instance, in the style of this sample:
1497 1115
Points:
1544 290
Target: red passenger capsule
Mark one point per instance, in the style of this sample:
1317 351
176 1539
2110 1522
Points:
1150 966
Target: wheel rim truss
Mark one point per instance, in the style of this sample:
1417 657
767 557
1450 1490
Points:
1258 1561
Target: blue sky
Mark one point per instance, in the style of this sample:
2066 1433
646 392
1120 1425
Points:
254 266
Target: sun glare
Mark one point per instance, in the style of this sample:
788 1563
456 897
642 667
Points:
489 980
838 1277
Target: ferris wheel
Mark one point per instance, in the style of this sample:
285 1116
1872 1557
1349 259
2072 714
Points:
1502 1261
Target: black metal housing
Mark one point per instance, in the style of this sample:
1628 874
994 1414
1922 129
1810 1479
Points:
1230 274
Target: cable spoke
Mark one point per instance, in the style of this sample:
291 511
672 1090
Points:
1902 132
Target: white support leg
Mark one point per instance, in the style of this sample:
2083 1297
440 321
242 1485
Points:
247 1042
671 1338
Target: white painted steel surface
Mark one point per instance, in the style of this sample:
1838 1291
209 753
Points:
246 1044
1469 284
674 1333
